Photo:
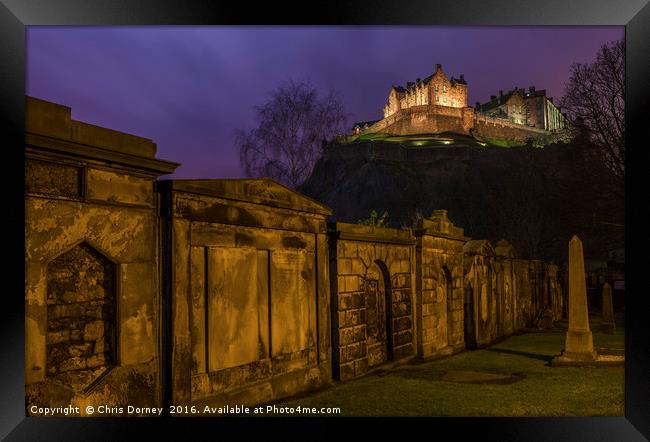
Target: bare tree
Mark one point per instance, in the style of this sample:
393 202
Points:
594 99
293 126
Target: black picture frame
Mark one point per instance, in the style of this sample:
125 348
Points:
15 15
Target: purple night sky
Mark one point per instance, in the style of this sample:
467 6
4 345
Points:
189 88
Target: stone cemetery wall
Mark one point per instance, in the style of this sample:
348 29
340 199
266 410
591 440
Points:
372 271
217 292
91 263
248 291
506 291
440 306
481 287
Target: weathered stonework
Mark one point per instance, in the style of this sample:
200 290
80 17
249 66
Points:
480 281
439 286
218 292
80 317
92 259
507 301
249 293
372 272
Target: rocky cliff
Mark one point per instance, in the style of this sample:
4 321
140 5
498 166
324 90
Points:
535 198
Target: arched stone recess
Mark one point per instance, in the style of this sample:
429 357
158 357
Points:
439 285
505 254
379 314
481 273
372 300
81 336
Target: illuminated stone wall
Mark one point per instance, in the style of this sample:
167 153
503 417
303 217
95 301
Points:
480 279
248 291
183 292
439 286
372 270
435 90
437 119
92 261
507 306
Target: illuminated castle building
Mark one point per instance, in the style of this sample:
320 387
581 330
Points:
438 104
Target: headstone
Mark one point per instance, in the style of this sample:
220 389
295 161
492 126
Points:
608 307
579 345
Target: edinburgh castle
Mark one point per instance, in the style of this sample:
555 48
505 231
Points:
438 104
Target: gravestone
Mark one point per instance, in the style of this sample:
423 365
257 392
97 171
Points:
608 308
579 345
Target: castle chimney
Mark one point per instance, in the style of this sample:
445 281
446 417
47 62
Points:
532 89
438 67
501 94
462 77
493 98
478 105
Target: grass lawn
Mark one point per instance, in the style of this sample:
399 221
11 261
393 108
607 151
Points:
433 140
417 390
420 140
497 142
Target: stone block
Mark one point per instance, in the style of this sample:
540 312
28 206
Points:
403 323
349 249
94 330
350 301
344 266
401 309
403 338
76 363
356 351
358 267
428 296
57 337
100 346
346 336
360 366
360 333
97 360
79 350
346 371
351 283
403 351
352 317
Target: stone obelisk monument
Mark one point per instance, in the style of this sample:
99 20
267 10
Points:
579 344
608 308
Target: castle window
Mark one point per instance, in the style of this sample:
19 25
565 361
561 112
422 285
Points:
444 100
444 88
437 99
436 89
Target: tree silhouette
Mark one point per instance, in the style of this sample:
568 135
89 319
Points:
594 99
293 127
